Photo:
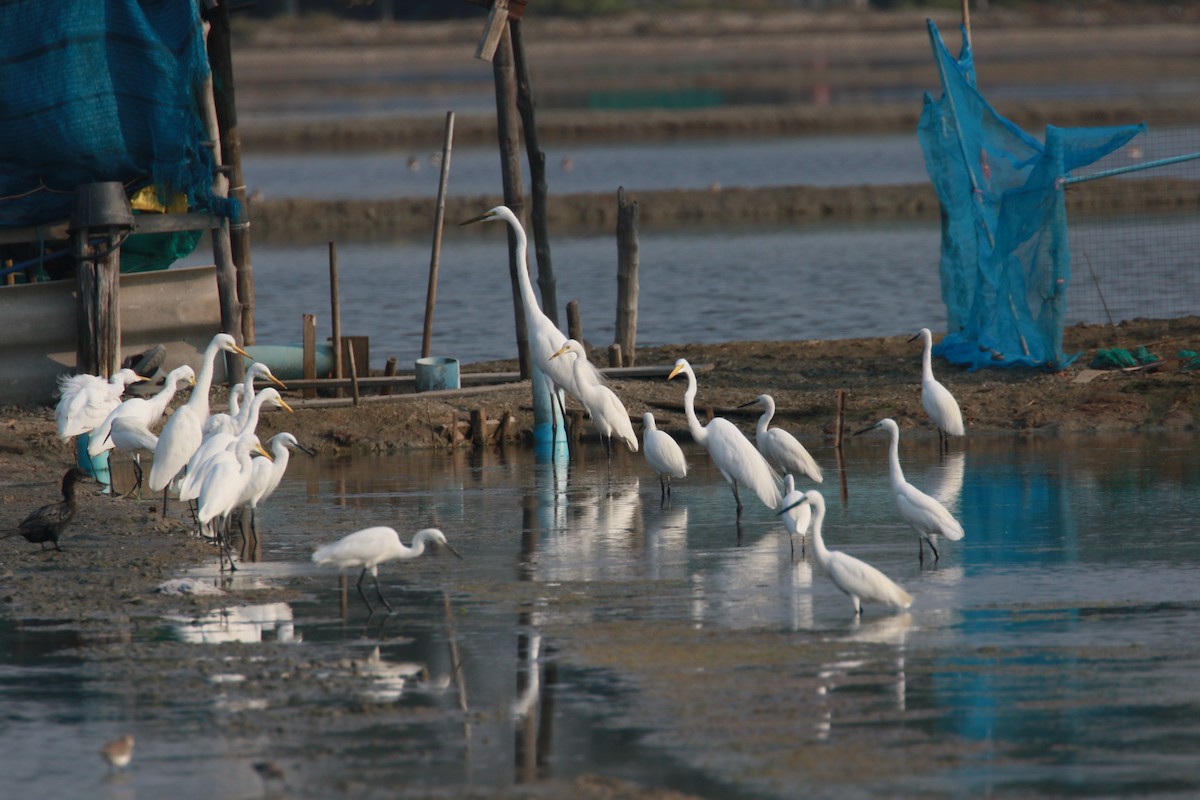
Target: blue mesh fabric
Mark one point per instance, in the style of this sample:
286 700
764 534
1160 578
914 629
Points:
1005 264
104 90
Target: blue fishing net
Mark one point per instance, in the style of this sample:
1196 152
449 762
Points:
1005 263
103 90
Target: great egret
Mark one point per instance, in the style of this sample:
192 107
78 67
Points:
927 516
780 448
544 336
265 474
85 400
797 514
853 576
131 435
240 397
606 410
118 752
663 454
219 441
46 523
729 449
936 399
371 547
146 410
224 481
184 430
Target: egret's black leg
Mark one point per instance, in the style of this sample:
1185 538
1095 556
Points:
380 593
361 593
936 555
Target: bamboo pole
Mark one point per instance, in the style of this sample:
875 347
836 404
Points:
627 276
335 310
439 218
966 20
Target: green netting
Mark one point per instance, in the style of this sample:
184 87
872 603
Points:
103 90
1005 263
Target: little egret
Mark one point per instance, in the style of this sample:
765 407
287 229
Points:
184 430
733 454
936 399
853 576
146 410
371 547
606 410
46 524
779 447
797 514
663 454
544 336
927 516
85 400
265 474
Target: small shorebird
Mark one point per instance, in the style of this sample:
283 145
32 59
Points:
118 752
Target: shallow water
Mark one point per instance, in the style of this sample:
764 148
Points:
600 632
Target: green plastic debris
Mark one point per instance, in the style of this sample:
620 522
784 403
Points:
1190 359
1118 358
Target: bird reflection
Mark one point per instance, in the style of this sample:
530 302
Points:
385 681
891 632
666 543
597 532
246 624
947 479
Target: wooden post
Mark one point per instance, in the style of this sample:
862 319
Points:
335 310
221 62
438 219
98 309
353 375
309 334
497 23
966 19
537 177
574 323
614 354
840 419
510 173
627 276
389 369
231 310
479 427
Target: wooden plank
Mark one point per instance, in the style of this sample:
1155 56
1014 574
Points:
334 402
497 23
493 378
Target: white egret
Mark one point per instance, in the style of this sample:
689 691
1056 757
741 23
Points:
132 435
606 410
663 454
936 399
927 516
46 524
220 441
544 336
240 397
147 410
371 547
797 514
85 400
853 576
184 430
781 449
227 476
265 474
729 448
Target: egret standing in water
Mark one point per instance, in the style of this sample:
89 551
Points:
729 449
853 576
780 448
371 547
266 474
797 514
184 430
936 399
545 338
605 409
663 454
927 516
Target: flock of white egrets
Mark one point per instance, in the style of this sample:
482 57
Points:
209 456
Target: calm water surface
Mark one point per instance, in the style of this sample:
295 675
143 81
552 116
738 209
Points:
1046 654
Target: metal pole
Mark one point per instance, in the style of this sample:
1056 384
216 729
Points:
439 218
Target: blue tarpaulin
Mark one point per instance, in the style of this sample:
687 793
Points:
1005 263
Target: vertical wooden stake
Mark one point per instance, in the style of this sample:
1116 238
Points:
627 276
479 427
614 354
574 323
966 19
438 219
335 310
389 369
309 325
840 419
353 374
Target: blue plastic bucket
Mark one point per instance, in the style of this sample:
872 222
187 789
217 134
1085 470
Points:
436 372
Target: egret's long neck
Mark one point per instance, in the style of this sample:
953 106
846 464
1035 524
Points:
689 407
927 359
158 403
532 308
760 429
897 474
818 541
199 398
251 422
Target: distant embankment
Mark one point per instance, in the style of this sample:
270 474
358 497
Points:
306 220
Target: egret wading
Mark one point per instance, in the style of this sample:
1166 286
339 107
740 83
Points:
781 449
606 410
797 514
371 547
185 429
863 582
663 454
545 338
266 474
732 453
927 516
46 524
936 399
226 478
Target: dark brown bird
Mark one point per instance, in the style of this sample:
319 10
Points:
47 523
